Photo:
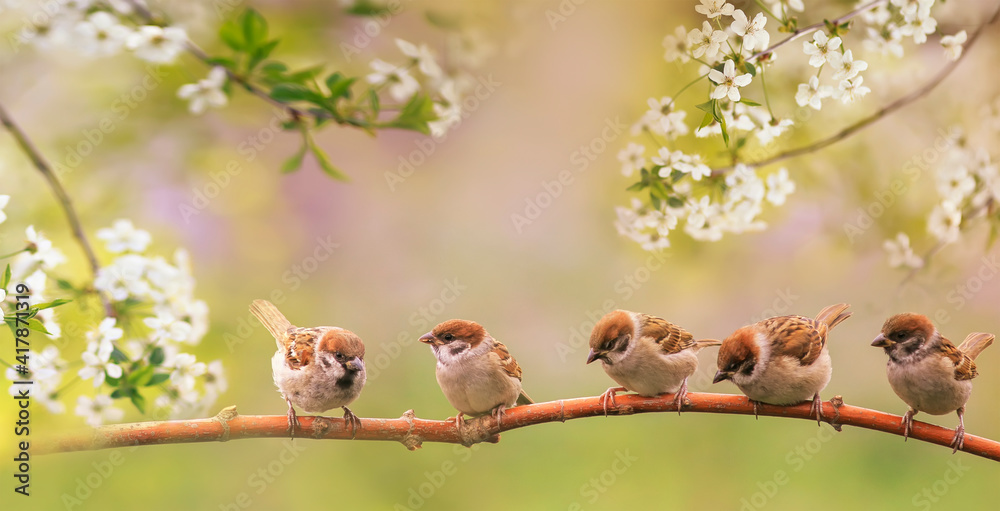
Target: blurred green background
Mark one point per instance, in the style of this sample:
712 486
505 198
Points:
448 225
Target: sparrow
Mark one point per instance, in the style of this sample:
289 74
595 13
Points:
781 360
475 371
927 371
645 354
316 368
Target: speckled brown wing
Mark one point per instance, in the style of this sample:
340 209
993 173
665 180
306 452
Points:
965 367
797 337
507 362
300 346
671 338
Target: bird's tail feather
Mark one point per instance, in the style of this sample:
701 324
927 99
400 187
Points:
834 314
975 343
272 319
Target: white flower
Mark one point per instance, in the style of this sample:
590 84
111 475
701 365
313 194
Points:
919 27
41 250
744 184
820 48
715 8
632 158
101 34
168 328
207 92
423 57
812 93
702 220
795 5
646 226
887 41
97 411
677 46
853 90
729 83
753 32
97 360
944 222
185 368
215 378
122 236
155 44
4 199
402 86
844 65
900 252
779 186
706 41
662 119
955 183
953 45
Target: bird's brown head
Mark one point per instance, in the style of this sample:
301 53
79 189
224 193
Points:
738 354
454 330
907 331
611 336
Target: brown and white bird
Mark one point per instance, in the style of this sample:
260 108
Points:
781 360
927 371
475 371
316 368
645 354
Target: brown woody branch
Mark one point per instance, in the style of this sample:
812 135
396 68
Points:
40 163
919 93
412 431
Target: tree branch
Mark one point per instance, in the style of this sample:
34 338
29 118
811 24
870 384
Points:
883 112
412 432
40 163
816 26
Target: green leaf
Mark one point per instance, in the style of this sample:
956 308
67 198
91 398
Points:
274 68
118 356
374 102
748 102
295 162
305 75
232 35
6 278
157 379
289 92
260 53
708 106
157 356
707 120
254 28
415 115
725 134
339 86
37 326
366 8
53 303
65 285
324 161
717 112
225 62
675 202
138 401
121 392
637 186
140 377
750 68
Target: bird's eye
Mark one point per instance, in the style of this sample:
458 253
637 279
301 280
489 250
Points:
608 344
338 355
449 337
899 335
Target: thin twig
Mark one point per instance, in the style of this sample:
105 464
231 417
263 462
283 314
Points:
412 432
885 111
40 163
816 26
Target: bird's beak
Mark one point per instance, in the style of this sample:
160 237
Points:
722 375
355 364
593 355
881 342
429 338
